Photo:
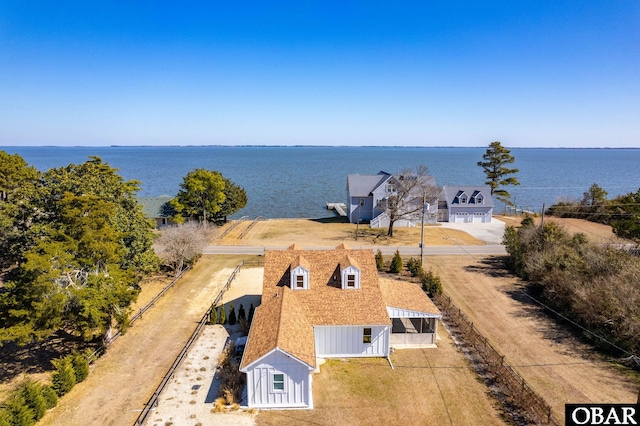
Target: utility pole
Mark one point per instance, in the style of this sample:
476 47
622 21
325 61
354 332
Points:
422 232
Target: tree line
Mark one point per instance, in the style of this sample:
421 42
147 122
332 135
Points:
75 244
622 213
594 286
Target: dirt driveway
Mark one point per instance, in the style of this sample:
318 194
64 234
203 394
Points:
558 367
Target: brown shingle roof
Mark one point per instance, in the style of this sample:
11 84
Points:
280 323
287 321
404 295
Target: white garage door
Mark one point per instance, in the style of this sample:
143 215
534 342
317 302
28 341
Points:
461 217
478 217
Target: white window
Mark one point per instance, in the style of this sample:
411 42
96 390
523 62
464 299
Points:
391 188
277 382
351 280
362 201
299 281
366 335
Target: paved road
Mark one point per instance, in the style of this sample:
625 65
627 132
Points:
495 249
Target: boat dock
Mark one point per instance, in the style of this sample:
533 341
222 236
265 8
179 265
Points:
340 208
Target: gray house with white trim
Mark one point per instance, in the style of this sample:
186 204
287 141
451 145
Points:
367 193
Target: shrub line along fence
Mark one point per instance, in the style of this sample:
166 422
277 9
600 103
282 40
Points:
153 401
107 342
514 386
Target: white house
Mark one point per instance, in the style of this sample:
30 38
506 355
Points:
465 204
326 304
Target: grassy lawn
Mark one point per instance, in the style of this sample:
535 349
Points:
426 387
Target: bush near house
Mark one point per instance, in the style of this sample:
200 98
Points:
396 263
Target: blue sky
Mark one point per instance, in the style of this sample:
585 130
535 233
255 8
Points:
536 73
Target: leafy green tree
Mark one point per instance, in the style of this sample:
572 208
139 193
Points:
625 216
21 217
64 377
201 195
496 158
396 263
235 200
98 179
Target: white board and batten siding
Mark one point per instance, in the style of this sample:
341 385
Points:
347 341
296 392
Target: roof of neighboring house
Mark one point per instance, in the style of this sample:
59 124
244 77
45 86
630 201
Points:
405 295
156 207
364 185
449 193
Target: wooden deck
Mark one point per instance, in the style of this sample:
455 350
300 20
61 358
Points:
340 208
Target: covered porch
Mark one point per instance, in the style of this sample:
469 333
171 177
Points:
420 330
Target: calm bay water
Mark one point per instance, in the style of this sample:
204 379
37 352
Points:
298 181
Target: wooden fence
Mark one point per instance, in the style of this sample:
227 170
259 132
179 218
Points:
153 401
107 342
511 384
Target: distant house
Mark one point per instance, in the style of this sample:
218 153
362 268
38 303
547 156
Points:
465 204
157 209
366 196
326 304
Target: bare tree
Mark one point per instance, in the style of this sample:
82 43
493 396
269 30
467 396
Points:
179 246
409 192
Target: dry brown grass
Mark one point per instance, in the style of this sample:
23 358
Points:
426 387
557 367
331 233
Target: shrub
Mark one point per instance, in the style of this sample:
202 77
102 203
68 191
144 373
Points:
80 366
31 392
213 315
414 266
396 263
64 378
232 314
251 312
50 396
17 412
222 318
241 313
431 283
379 260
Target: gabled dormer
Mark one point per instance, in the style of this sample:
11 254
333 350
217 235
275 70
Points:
461 198
477 198
300 274
349 274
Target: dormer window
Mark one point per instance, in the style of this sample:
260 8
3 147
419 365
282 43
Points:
477 197
300 275
351 280
461 198
349 274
